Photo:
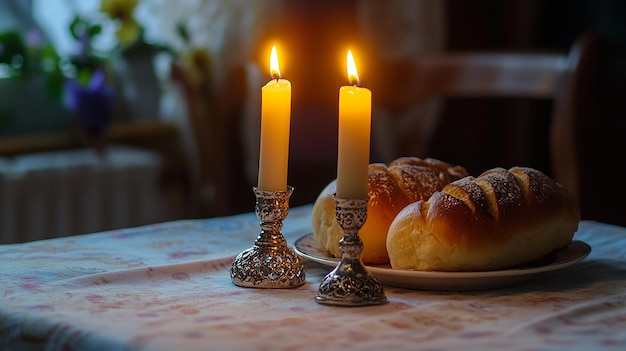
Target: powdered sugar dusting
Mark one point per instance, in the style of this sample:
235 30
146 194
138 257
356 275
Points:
508 194
469 192
445 171
382 187
417 182
537 186
409 178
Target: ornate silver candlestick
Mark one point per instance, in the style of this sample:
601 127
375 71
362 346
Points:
270 263
350 284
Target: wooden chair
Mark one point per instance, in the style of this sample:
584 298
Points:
588 143
557 77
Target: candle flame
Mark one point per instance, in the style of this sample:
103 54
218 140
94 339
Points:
353 76
274 70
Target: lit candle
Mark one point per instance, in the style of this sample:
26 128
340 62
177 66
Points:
355 114
275 119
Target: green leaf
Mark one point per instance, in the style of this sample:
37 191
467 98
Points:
94 30
183 32
76 27
54 84
12 45
83 76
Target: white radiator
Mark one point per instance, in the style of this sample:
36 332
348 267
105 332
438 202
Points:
70 192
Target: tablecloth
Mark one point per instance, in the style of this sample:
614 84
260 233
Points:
167 287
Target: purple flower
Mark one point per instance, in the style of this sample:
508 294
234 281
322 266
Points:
82 48
91 105
34 38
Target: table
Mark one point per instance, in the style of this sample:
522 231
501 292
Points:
167 287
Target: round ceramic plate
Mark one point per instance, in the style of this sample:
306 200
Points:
307 247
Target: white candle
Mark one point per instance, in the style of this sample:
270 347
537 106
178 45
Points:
275 120
355 114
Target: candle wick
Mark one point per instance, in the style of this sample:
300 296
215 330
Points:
355 82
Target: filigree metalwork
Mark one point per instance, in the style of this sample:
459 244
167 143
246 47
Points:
350 284
270 263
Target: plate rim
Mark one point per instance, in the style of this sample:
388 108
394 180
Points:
578 245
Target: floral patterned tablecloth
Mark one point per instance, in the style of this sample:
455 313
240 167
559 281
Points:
167 287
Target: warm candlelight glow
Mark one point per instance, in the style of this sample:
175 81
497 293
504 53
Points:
274 70
275 120
355 111
353 76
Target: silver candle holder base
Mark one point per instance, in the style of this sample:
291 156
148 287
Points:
350 284
270 263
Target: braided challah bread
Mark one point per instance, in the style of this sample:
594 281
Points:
499 220
391 188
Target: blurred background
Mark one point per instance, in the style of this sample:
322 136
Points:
119 113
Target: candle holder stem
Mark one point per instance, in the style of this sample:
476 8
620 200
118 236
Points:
350 284
270 263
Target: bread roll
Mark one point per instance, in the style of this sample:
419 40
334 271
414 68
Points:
501 219
391 188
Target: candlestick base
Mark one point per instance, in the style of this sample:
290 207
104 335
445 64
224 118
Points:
350 284
270 263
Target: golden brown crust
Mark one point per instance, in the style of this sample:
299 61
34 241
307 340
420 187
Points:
391 188
500 219
446 172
